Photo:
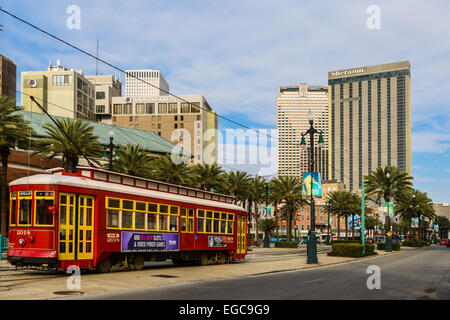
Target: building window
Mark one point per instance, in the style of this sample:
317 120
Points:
185 107
100 108
173 108
195 107
162 108
62 80
100 95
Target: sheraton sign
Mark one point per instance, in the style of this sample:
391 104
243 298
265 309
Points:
347 72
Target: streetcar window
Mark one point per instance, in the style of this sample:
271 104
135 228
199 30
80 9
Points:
183 212
191 225
216 226
216 215
208 226
223 227
113 218
230 216
191 213
163 222
223 216
173 223
201 213
139 220
114 203
140 206
163 208
25 211
183 225
42 215
127 204
209 214
152 207
151 221
13 211
200 225
127 219
173 210
229 226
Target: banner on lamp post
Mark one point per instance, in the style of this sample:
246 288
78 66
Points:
316 184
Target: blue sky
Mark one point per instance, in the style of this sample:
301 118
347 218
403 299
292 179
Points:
238 53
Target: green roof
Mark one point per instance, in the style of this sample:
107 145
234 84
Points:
146 139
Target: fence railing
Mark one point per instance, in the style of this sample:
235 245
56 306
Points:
3 246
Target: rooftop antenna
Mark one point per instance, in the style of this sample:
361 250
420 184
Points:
96 68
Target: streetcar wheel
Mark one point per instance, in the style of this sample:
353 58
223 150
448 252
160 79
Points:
222 258
138 262
105 266
204 259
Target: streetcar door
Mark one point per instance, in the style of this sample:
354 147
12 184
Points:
241 231
66 237
85 227
187 228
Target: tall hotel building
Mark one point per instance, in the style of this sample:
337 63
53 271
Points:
293 105
369 121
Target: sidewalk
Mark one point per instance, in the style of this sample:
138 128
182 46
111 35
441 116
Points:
42 286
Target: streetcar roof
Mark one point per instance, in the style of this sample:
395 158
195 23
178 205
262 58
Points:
82 182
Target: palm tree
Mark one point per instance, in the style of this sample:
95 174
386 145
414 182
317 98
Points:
133 161
343 203
164 169
275 200
14 130
69 139
386 184
208 176
289 189
255 196
414 203
237 184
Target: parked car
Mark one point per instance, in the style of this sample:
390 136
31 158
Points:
444 242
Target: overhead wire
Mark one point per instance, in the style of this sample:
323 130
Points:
138 78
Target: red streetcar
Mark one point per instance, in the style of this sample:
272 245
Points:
97 219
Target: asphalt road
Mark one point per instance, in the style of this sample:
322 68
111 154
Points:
412 274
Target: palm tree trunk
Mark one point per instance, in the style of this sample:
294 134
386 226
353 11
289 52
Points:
4 154
339 226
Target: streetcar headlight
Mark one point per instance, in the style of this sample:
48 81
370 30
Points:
21 241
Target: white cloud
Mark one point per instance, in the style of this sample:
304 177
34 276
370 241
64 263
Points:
430 142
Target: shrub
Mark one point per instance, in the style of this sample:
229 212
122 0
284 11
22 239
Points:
353 250
382 246
420 243
286 244
345 241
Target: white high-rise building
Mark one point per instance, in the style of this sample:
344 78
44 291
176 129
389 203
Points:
145 83
293 105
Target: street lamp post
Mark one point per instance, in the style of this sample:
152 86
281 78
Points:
413 206
312 244
388 219
111 151
266 238
328 229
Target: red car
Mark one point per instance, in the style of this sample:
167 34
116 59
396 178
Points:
444 242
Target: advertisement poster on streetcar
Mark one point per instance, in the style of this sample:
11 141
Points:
148 242
217 241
